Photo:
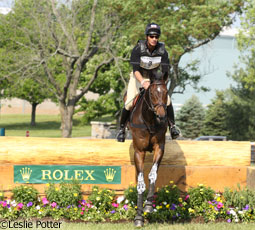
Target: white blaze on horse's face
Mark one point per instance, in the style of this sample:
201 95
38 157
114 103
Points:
158 96
140 183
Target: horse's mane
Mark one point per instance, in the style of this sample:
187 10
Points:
157 75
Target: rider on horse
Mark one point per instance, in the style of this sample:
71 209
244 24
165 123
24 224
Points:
147 55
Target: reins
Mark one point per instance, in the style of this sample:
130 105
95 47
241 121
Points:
154 107
151 107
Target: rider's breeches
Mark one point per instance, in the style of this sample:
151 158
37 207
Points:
134 89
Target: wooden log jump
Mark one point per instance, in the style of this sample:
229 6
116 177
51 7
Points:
216 164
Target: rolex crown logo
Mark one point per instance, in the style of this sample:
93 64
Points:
26 173
109 174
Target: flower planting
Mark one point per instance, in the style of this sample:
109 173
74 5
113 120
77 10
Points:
64 201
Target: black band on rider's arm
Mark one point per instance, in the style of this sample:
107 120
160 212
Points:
135 59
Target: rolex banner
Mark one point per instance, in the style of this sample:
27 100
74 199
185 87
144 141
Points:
43 174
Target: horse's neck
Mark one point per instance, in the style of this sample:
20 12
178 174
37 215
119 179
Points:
141 112
147 114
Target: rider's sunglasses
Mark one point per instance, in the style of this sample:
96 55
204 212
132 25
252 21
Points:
154 36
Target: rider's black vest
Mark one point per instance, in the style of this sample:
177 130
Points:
148 60
159 51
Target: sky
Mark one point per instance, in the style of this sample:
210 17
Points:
216 59
5 3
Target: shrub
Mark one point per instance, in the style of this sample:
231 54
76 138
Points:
169 205
239 197
102 198
64 201
1 195
25 194
199 197
169 194
65 194
131 195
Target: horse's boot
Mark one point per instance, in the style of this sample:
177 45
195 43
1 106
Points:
123 120
139 221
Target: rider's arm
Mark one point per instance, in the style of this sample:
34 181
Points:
135 61
138 76
145 83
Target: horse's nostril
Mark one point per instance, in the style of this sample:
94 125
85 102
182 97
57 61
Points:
161 118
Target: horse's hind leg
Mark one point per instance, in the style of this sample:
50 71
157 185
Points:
158 154
139 163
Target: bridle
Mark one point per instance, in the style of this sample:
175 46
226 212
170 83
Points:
153 107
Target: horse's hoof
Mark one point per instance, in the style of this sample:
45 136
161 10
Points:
139 222
148 209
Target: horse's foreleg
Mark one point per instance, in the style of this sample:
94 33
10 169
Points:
158 154
139 162
152 179
140 190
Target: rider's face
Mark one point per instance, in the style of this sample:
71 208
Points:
152 40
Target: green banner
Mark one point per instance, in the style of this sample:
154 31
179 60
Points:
43 174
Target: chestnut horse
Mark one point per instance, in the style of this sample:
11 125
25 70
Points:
148 124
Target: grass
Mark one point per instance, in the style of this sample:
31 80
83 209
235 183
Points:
130 226
107 119
46 126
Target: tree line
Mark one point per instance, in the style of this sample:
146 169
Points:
232 112
60 50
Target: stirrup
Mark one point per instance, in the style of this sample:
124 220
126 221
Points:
174 132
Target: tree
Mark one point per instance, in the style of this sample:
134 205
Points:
240 118
186 25
19 86
110 98
61 38
241 106
246 45
110 85
190 118
231 113
73 40
215 123
30 91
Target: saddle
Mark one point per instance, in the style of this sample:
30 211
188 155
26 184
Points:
136 102
136 99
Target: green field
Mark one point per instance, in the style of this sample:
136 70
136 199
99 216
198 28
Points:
129 226
46 126
222 226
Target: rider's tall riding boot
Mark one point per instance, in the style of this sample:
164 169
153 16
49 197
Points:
123 121
174 132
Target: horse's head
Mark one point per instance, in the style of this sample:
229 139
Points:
157 94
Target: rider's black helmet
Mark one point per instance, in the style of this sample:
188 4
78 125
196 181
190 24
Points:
152 29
